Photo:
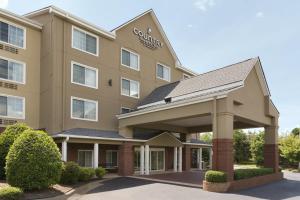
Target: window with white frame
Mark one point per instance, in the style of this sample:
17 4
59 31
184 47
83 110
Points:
111 158
130 59
85 158
163 72
84 109
12 70
12 107
130 88
12 34
84 75
84 41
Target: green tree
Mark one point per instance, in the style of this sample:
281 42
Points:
296 131
206 137
290 149
241 145
257 147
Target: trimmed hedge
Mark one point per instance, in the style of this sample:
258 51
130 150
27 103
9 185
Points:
100 172
7 138
215 176
70 173
33 161
10 193
86 173
249 173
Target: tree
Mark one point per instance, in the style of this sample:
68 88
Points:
241 145
206 137
296 131
290 149
257 147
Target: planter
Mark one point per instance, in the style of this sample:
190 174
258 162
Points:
216 187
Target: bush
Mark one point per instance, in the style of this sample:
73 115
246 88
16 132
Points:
86 173
70 173
10 193
215 176
7 138
33 161
100 172
248 173
257 148
290 150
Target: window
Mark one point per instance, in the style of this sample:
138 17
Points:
130 59
84 75
111 158
85 158
12 107
125 110
163 72
12 34
84 109
185 76
130 88
137 159
12 71
84 41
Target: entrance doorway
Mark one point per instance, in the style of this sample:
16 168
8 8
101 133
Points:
157 159
194 158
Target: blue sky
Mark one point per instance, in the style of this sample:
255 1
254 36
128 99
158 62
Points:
207 34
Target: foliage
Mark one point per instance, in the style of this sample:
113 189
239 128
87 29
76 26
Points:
70 173
215 176
7 138
257 148
290 149
251 172
100 172
205 154
33 161
10 193
241 145
206 137
86 173
296 131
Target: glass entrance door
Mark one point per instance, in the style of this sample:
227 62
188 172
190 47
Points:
194 160
157 159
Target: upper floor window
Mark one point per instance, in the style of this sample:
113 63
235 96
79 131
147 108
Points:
84 75
12 34
130 59
130 88
84 41
12 107
84 109
12 70
163 72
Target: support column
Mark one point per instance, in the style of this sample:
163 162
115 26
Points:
271 157
64 151
200 159
126 159
180 160
96 155
147 157
142 160
187 158
175 160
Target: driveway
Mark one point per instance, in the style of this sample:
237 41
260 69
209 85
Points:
132 188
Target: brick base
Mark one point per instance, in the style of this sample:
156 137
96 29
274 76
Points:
126 156
271 157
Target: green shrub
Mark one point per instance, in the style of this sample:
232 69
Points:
86 173
100 172
70 173
10 193
248 173
215 176
7 138
33 161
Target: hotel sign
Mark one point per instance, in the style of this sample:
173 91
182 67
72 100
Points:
146 39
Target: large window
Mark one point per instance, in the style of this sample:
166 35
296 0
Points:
130 59
12 34
84 41
12 107
85 158
84 75
163 72
84 109
111 158
12 70
130 88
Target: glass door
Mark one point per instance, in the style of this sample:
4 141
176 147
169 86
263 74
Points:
157 159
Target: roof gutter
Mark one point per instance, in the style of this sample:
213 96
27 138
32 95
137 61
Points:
97 138
197 144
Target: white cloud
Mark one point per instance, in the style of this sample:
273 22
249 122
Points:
259 14
203 5
190 25
3 3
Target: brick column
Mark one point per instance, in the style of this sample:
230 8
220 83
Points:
126 159
186 158
271 156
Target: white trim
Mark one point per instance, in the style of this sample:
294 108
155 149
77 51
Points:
86 100
18 62
164 66
112 150
84 66
85 150
197 144
87 33
131 52
98 138
24 105
129 87
18 26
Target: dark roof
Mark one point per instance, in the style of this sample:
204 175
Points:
91 133
145 134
